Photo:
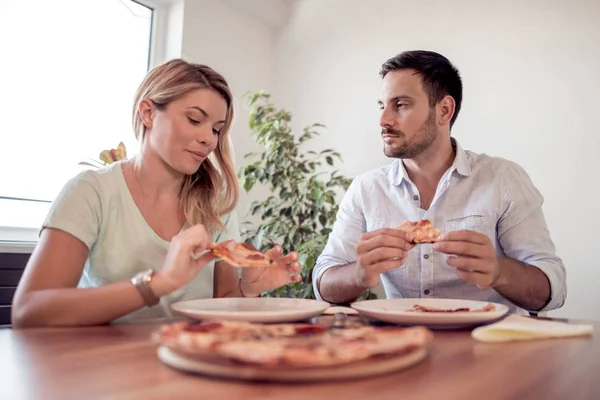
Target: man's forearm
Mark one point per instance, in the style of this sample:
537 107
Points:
340 285
525 285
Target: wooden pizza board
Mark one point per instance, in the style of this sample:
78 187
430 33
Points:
232 370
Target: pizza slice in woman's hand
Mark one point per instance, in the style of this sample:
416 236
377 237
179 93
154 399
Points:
241 254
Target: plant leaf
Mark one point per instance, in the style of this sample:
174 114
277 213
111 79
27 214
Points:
300 210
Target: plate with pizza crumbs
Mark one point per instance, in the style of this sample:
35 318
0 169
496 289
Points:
433 313
289 352
255 309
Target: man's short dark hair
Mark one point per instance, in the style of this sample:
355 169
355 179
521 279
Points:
440 77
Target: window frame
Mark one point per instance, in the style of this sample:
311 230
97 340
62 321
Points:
22 239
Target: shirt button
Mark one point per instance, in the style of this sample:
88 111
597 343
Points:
416 198
426 256
426 291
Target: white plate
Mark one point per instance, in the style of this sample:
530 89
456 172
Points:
397 311
258 309
333 310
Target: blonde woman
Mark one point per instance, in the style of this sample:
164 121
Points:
116 243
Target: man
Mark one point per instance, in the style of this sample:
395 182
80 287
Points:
495 245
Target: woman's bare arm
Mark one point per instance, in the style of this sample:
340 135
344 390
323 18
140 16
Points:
47 294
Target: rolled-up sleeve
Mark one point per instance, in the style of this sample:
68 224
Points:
348 227
524 235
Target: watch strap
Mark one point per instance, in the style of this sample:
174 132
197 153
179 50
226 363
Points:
142 284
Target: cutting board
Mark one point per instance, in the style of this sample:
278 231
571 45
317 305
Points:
231 370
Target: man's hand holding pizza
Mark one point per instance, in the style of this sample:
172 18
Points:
381 251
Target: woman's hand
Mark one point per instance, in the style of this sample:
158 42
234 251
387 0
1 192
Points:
179 267
257 279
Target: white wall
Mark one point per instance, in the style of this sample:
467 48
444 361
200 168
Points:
531 77
239 47
174 25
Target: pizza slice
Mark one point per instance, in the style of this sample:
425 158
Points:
422 231
241 254
420 308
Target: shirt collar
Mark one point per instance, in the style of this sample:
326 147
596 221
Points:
461 164
461 161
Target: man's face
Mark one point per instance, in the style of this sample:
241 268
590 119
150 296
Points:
408 123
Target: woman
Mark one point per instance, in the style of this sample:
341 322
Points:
117 243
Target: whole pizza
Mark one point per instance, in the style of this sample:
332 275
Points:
289 345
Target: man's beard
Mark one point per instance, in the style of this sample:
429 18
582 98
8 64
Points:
417 144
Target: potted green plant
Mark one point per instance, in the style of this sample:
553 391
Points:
304 187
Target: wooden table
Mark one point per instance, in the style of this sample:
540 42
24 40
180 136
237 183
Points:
119 362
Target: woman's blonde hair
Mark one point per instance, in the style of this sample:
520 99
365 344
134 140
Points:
212 191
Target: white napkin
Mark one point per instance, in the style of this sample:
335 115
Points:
516 327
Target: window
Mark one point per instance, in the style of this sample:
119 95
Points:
69 73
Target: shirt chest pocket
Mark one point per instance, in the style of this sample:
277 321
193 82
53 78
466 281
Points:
472 222
374 224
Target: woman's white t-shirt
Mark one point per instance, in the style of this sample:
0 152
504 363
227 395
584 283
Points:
97 208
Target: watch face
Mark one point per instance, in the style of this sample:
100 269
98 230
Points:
142 283
144 275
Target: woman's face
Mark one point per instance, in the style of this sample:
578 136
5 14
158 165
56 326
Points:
187 130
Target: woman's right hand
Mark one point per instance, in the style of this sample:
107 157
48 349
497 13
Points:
179 267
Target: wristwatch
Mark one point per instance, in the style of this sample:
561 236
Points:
141 282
